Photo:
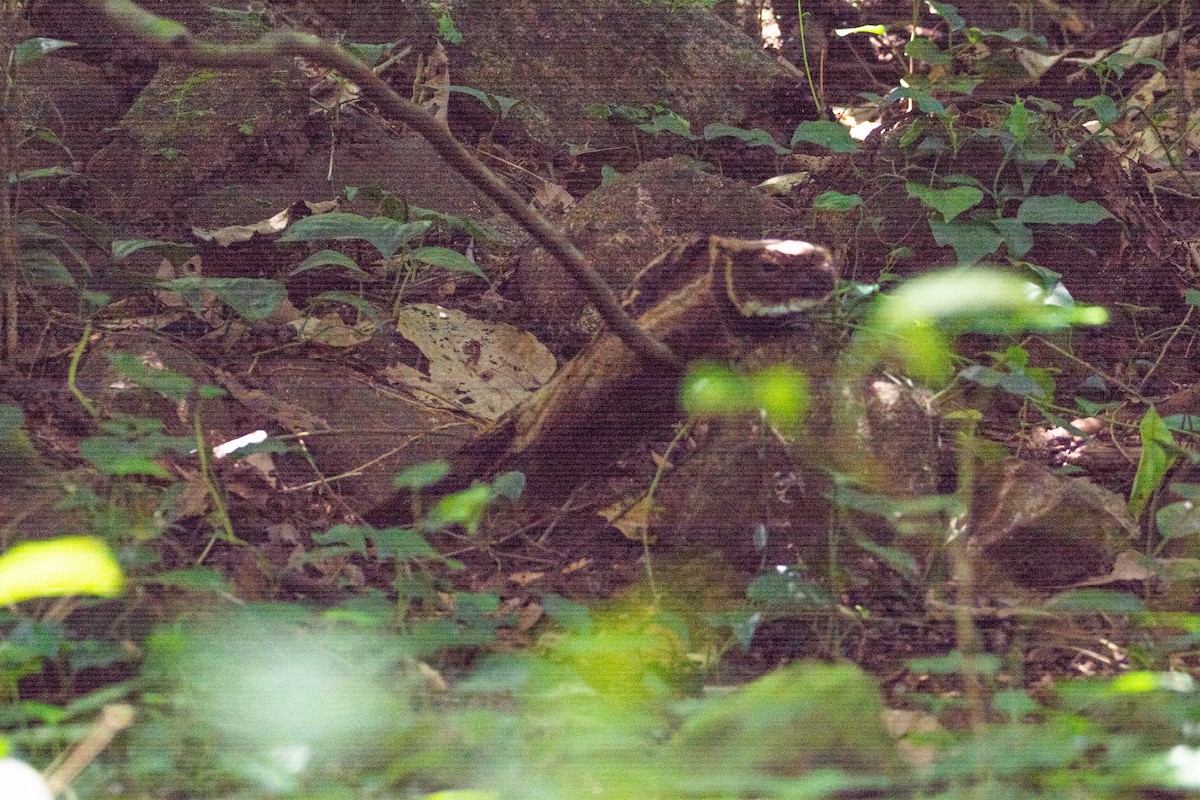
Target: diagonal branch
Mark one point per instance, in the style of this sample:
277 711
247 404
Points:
174 40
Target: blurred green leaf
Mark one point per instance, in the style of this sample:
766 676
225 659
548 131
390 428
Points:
203 579
66 566
1095 601
420 476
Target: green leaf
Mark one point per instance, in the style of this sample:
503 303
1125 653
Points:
568 614
948 12
1016 121
447 29
782 394
113 455
1017 236
324 258
1158 455
1105 109
787 589
669 122
830 135
947 202
402 545
385 234
1178 520
420 476
38 173
756 137
58 567
1095 601
1060 209
902 562
972 241
202 579
875 30
711 389
509 484
927 103
167 382
346 298
497 104
369 54
463 508
836 201
954 663
923 49
352 537
124 248
913 321
446 258
252 298
44 268
31 50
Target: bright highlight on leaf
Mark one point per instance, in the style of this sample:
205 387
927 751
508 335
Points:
918 320
780 392
72 565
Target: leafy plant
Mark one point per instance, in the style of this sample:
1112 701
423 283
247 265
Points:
389 237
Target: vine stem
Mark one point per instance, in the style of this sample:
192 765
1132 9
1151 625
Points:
176 42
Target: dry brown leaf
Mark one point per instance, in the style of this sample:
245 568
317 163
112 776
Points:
633 521
329 330
480 368
525 578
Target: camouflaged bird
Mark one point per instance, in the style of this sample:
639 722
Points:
703 299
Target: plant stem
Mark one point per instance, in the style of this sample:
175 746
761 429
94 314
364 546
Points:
804 57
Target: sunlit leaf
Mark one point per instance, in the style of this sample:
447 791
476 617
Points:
782 393
56 567
711 389
465 508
